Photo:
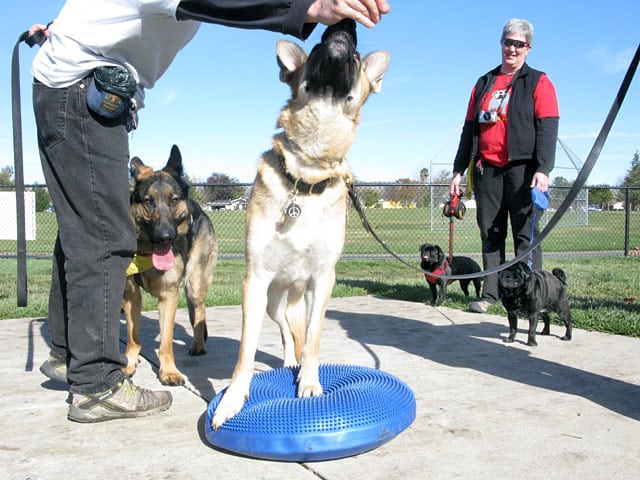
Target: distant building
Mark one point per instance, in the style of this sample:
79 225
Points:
236 204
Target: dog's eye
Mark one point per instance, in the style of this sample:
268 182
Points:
148 202
174 201
349 98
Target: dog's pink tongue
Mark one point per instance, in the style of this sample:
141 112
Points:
162 257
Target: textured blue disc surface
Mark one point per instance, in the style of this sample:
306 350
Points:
361 408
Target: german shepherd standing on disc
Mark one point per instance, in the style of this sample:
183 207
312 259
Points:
176 242
297 212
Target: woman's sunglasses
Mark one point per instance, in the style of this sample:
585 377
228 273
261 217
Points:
509 42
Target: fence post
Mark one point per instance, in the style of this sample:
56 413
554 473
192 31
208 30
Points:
627 220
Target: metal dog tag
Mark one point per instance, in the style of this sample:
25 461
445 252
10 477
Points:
293 210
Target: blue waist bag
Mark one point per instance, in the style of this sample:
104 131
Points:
110 91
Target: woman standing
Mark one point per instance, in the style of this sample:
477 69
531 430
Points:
508 142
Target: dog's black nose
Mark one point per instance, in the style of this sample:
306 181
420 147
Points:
345 29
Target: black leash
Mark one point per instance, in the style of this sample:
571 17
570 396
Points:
566 203
21 280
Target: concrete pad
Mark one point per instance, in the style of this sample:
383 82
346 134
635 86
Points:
485 409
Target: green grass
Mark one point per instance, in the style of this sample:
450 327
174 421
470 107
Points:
603 291
404 230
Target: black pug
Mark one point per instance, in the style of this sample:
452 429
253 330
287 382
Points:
434 260
534 294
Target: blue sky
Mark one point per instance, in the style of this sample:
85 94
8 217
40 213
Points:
220 99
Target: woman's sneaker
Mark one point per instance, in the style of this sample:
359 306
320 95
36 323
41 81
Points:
124 400
481 306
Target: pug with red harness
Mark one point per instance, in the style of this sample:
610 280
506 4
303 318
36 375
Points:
433 260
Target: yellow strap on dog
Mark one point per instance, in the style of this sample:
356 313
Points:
140 264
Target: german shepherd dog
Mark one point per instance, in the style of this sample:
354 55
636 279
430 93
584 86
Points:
297 212
176 242
534 294
433 259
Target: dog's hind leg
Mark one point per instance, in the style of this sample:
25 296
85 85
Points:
546 330
317 297
464 285
286 307
477 283
132 306
564 312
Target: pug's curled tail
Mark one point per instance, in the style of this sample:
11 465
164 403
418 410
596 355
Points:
559 273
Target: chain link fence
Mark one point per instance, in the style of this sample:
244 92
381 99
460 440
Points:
403 215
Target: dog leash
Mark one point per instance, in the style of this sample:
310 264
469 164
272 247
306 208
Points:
581 179
21 253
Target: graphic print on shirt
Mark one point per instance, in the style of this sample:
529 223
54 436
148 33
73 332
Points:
498 99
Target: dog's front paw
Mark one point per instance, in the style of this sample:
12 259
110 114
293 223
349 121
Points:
232 402
309 383
532 342
305 391
129 370
171 378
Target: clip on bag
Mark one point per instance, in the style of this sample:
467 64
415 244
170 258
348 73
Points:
110 91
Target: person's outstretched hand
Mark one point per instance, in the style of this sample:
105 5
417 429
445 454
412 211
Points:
366 12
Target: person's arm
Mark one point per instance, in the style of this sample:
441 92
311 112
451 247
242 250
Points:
282 16
547 118
463 155
291 17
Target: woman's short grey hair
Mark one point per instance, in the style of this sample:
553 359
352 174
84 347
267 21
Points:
520 26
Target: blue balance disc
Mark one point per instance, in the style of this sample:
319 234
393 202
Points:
361 408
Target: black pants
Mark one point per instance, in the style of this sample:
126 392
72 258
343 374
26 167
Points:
85 165
503 194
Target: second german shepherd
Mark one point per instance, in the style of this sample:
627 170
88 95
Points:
297 212
176 242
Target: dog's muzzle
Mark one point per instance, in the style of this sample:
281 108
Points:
333 64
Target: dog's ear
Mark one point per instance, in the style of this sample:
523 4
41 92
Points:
375 66
174 164
290 58
138 169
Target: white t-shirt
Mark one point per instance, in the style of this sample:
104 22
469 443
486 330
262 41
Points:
141 35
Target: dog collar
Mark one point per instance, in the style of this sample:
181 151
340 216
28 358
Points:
300 185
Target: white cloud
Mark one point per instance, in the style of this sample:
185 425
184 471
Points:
168 98
610 61
593 134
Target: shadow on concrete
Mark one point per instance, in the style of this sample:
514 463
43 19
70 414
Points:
464 346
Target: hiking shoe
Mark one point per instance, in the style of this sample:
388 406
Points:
55 369
124 400
480 306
